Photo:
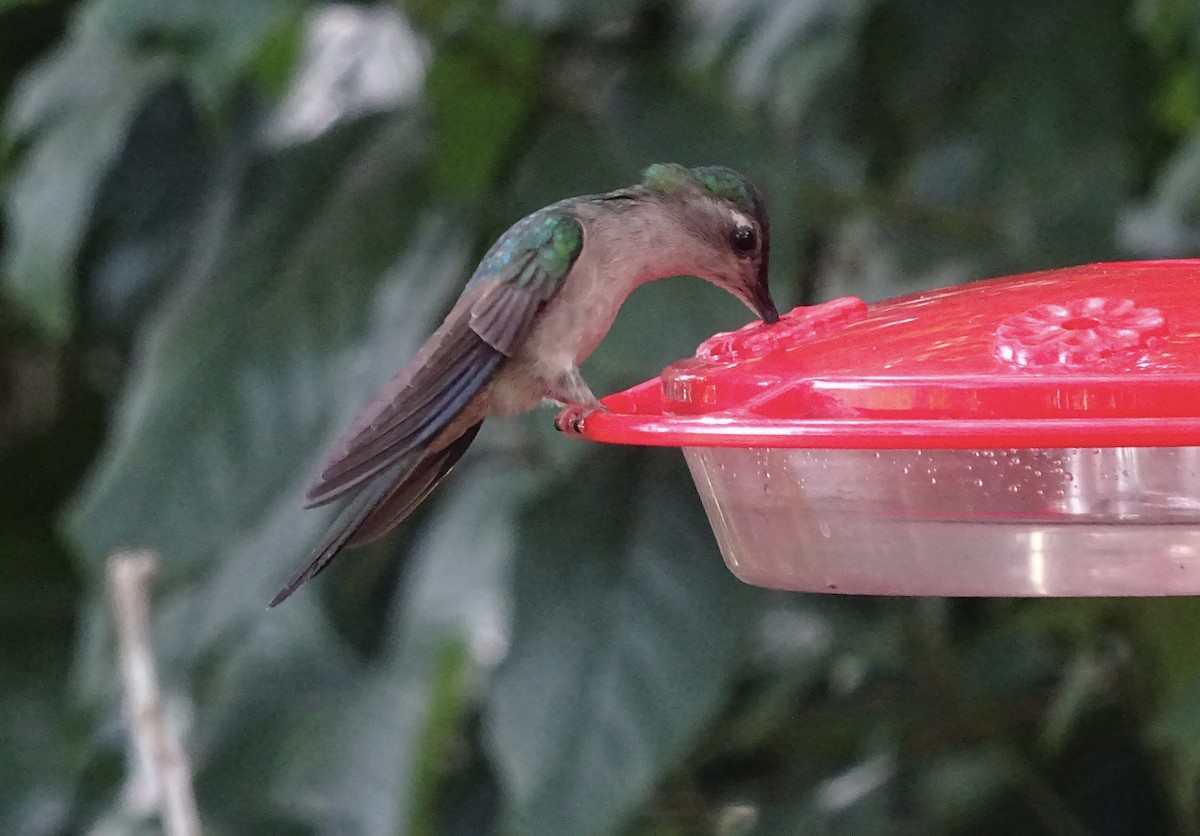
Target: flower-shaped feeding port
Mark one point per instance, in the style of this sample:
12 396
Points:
717 376
1077 334
795 326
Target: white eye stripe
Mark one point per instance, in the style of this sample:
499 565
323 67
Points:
739 219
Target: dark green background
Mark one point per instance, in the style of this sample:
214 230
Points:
193 305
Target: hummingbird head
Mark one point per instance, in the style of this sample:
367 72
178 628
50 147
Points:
725 217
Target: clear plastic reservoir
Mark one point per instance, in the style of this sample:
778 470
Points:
1028 522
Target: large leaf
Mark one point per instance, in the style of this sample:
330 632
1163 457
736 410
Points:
216 43
381 769
782 54
856 801
480 92
990 163
626 636
140 230
76 108
259 358
37 787
297 305
1168 224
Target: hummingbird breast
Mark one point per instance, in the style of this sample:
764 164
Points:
622 250
579 316
569 329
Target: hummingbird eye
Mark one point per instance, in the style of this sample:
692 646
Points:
743 239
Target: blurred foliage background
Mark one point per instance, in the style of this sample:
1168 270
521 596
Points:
226 222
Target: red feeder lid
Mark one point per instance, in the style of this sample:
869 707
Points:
1104 355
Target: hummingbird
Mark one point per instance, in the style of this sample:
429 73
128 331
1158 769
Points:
541 300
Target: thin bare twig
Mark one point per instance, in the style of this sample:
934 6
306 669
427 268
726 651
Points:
162 774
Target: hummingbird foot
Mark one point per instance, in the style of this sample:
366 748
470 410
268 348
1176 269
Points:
570 419
570 389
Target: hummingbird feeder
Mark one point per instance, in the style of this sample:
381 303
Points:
1036 435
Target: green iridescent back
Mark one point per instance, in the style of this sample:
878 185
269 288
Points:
552 233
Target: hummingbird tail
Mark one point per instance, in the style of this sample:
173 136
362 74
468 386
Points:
412 489
380 507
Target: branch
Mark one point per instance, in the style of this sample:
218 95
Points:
162 775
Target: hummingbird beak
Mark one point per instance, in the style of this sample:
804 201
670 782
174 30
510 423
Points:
761 302
764 306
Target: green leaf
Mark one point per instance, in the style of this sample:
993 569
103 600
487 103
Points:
626 637
858 801
1083 683
793 656
650 118
480 92
76 110
1176 728
38 785
990 164
384 764
6 5
277 54
362 780
956 788
217 43
1168 224
297 307
1167 627
141 225
786 55
572 15
1165 24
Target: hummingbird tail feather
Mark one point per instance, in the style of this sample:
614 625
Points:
339 534
378 508
412 489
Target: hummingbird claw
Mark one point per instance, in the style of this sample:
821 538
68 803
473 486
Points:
570 419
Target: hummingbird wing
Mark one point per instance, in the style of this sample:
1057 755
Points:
407 494
407 439
520 273
377 508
